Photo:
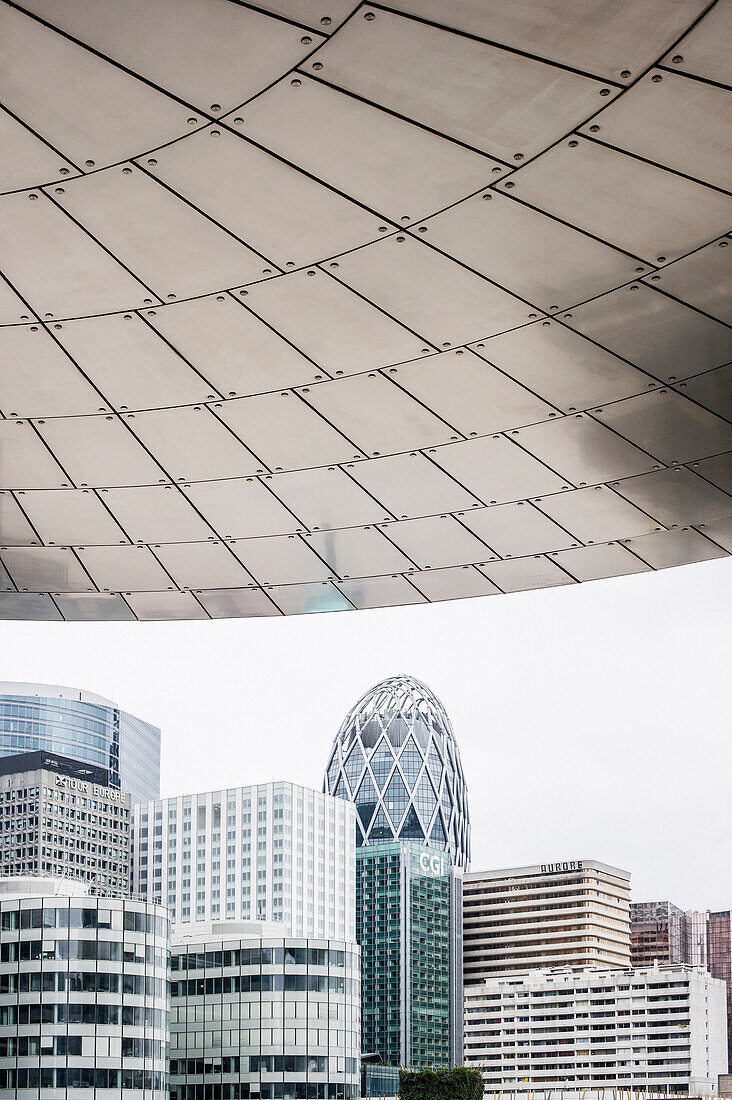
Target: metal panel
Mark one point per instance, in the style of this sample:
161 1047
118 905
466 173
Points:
491 99
429 292
25 159
675 548
680 123
658 334
453 584
523 574
15 529
231 347
648 212
98 450
381 592
720 532
703 279
241 508
592 563
91 607
284 432
469 393
409 485
359 552
513 530
718 470
163 240
234 603
597 514
57 267
12 308
26 464
339 331
191 444
71 517
437 541
324 16
497 470
389 165
582 449
38 379
616 41
676 497
703 51
667 425
17 605
538 258
326 499
45 569
91 110
713 389
376 415
561 366
192 48
282 213
156 513
165 605
6 584
202 565
124 568
281 560
308 599
130 364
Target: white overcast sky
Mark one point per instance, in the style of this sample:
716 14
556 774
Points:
593 720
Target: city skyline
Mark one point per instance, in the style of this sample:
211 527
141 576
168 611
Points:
326 663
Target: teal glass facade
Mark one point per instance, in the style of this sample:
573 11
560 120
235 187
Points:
409 926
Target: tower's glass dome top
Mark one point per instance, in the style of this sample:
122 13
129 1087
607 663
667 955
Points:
396 757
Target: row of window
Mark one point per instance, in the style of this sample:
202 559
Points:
82 981
33 1046
265 1090
95 1014
71 1077
82 917
265 983
263 1063
266 956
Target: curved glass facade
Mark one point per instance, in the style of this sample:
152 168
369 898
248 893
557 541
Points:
264 1018
396 757
83 997
76 724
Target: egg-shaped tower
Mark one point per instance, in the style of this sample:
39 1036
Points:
396 757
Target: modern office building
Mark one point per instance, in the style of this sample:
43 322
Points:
83 993
659 1029
84 727
256 1015
661 931
396 757
567 913
408 910
276 852
60 817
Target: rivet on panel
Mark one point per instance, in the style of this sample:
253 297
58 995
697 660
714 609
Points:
573 144
518 156
215 106
306 40
594 129
326 21
60 191
89 163
509 183
317 65
369 16
678 59
604 91
625 74
657 79
192 121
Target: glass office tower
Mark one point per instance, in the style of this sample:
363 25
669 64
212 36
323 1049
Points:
84 727
408 923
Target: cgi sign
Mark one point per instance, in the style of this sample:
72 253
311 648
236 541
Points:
432 865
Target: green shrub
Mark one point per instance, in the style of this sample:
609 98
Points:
441 1084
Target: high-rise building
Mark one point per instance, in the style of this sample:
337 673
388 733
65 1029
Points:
396 757
276 852
59 817
257 1015
84 727
568 913
661 1029
83 993
663 932
408 905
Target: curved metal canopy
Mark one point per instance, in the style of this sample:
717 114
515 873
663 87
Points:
309 305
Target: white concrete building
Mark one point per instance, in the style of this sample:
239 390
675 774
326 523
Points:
656 1028
568 913
276 852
